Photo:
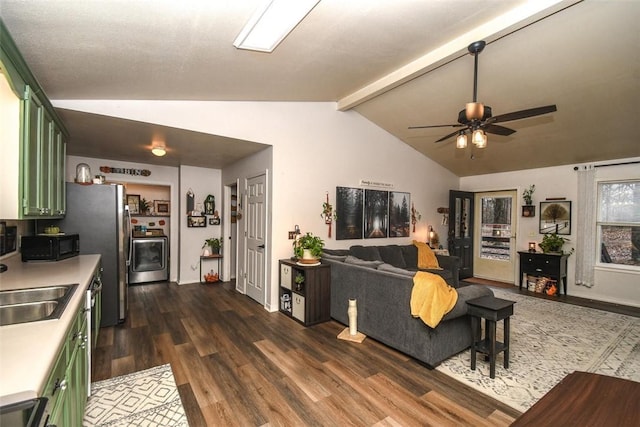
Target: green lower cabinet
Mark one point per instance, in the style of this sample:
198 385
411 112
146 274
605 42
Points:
67 384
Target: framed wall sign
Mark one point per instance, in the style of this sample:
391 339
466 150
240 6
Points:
162 207
133 201
196 221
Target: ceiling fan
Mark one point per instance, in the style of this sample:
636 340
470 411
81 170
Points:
476 118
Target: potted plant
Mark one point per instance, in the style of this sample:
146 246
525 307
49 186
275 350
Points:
299 279
527 195
214 243
552 243
144 207
308 247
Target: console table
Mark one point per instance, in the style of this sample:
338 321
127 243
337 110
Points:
553 266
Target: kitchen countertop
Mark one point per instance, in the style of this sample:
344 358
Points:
28 350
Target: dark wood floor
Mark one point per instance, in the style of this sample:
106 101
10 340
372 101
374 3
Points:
236 364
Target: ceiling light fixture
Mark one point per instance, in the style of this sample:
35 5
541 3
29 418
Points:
479 138
461 140
159 150
271 23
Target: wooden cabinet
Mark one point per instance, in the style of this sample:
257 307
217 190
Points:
43 162
67 385
553 266
305 292
32 165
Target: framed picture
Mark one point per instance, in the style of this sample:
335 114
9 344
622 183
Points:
555 217
349 205
196 221
376 214
528 211
133 201
399 214
162 207
214 220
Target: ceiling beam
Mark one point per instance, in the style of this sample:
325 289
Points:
513 20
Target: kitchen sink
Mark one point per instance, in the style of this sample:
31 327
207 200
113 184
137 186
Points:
31 305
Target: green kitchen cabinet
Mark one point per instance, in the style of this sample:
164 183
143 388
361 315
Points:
43 162
32 167
68 382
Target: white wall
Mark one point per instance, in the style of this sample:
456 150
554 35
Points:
561 181
315 149
202 182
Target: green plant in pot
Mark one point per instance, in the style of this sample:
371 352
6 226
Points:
308 247
214 243
299 279
552 243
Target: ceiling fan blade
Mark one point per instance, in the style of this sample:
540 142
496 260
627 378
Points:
498 130
447 136
523 114
436 126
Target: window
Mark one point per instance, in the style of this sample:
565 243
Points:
619 222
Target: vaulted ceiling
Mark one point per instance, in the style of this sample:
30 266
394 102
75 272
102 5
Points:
398 63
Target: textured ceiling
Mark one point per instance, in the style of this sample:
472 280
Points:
408 55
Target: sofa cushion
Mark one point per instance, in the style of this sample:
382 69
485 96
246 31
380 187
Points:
410 255
392 254
344 252
362 263
393 269
367 253
332 257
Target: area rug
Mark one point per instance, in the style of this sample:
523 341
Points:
549 340
144 398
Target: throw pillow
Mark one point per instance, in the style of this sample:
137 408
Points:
426 257
390 268
362 263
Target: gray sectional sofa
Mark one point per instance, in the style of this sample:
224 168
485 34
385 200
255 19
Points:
383 293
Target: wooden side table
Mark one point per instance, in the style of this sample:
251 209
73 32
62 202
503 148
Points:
492 310
217 257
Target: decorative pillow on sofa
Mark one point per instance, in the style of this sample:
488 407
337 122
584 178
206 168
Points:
390 268
392 254
362 263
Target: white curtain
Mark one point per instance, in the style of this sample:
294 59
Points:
586 226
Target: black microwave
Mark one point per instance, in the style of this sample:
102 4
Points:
47 247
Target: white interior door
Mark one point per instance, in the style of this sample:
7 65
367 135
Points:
494 237
256 210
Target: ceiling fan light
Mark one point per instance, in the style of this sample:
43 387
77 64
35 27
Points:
461 140
479 138
159 150
474 110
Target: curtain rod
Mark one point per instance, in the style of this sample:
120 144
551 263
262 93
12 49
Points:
575 168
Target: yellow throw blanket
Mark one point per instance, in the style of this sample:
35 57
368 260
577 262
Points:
431 298
426 258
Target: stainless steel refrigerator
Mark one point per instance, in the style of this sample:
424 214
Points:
99 214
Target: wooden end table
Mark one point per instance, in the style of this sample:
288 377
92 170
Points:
492 310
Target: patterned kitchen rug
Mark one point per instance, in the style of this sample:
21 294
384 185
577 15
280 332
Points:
144 398
549 340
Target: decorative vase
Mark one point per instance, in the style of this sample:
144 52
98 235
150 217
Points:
206 252
352 312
